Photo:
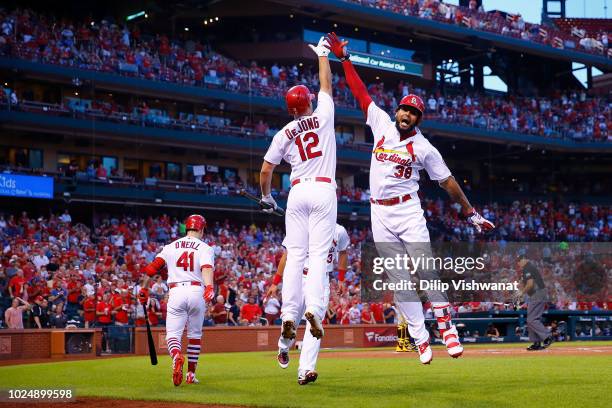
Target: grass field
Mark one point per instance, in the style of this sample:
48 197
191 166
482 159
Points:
254 379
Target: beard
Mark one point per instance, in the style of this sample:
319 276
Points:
405 132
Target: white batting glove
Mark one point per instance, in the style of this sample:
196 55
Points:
321 49
479 222
268 205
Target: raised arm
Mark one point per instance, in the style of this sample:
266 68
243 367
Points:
358 88
325 76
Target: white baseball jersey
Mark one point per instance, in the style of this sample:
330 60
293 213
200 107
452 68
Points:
395 164
185 258
340 243
308 143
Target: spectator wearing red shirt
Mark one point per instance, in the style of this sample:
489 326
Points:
104 315
17 285
121 307
218 312
101 172
89 310
153 311
367 317
250 312
103 310
74 291
377 312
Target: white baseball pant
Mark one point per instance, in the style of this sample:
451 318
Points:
310 222
405 226
185 307
310 345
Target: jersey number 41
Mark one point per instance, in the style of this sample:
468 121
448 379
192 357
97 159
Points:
185 261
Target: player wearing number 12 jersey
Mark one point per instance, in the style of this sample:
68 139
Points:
400 152
190 264
308 144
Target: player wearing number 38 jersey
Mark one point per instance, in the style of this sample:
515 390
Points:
400 151
308 144
190 262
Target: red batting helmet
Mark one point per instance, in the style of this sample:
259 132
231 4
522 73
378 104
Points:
298 99
195 222
414 101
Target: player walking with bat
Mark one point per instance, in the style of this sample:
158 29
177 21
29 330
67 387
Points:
400 152
190 279
308 144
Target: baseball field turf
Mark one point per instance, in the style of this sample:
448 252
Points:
576 374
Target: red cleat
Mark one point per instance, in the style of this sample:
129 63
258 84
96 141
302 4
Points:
177 369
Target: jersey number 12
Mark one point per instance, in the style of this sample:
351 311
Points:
185 261
311 140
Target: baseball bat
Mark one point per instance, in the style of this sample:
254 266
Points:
278 211
152 352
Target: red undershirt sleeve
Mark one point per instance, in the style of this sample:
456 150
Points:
357 87
155 267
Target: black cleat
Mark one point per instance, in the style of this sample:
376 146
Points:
535 347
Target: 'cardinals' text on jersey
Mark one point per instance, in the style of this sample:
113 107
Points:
185 259
308 143
395 164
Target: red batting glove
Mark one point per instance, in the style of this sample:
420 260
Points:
143 296
209 293
341 273
276 279
337 47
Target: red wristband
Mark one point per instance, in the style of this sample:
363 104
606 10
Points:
277 279
341 273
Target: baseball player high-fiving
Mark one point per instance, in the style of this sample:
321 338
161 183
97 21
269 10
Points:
308 144
310 346
400 152
190 278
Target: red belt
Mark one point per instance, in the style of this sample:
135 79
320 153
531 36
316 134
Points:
391 201
319 179
193 283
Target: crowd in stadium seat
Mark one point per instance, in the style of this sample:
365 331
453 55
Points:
506 24
92 274
108 47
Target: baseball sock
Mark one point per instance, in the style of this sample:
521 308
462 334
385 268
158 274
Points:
174 346
193 353
442 312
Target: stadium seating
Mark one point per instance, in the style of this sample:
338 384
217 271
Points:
476 18
571 115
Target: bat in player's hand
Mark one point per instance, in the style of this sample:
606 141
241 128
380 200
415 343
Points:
152 352
277 211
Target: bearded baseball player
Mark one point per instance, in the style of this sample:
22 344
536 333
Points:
308 144
400 152
190 278
310 345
